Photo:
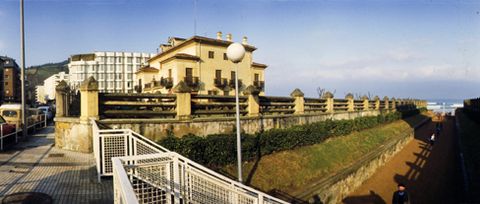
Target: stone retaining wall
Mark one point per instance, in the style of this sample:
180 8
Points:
73 134
156 129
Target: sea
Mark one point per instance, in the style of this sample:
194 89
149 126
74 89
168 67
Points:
444 105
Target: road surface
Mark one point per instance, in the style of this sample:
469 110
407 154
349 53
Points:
430 173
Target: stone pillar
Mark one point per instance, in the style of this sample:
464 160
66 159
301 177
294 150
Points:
184 101
253 101
61 91
351 102
386 102
377 103
365 102
299 101
329 101
394 104
89 99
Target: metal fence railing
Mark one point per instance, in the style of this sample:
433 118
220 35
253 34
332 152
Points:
12 133
144 172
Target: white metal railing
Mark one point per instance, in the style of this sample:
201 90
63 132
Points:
145 172
171 178
42 123
109 143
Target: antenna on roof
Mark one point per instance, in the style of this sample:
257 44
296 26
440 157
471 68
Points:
194 17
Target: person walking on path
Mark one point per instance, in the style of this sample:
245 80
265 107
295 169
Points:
401 195
432 139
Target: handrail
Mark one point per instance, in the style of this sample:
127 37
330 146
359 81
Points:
189 165
138 148
120 178
18 129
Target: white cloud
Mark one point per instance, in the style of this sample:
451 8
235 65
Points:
434 72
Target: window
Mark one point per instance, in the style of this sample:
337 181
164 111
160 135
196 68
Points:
212 92
189 73
110 76
119 68
110 59
100 76
225 56
119 77
129 68
232 75
138 60
101 68
6 76
129 76
6 83
257 77
110 67
119 60
218 74
128 85
129 60
211 54
225 93
9 113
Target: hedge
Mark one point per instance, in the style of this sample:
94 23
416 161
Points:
220 149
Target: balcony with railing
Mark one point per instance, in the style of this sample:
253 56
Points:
167 82
231 83
220 82
260 85
192 82
148 87
157 84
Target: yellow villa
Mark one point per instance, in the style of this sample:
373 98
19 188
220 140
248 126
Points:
202 64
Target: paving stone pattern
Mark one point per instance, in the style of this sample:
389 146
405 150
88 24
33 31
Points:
36 165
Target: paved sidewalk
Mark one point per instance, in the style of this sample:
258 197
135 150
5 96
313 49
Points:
37 166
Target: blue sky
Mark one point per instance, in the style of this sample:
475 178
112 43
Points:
401 48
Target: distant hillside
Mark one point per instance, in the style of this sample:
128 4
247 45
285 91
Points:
37 74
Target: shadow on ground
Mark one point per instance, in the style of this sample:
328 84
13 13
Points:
432 175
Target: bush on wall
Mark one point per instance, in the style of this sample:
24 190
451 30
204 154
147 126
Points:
220 149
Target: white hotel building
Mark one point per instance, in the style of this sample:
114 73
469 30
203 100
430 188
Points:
46 92
114 71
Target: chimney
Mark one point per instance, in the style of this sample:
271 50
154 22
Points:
219 35
229 37
244 40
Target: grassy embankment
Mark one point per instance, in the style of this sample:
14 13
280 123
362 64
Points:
290 170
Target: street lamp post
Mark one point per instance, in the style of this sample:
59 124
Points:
22 69
235 53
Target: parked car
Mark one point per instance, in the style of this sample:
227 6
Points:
46 110
6 128
12 113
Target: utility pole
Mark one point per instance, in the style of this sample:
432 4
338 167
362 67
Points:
22 69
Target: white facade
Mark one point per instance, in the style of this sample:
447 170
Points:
114 71
47 91
40 94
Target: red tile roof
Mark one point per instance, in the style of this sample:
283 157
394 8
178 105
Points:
147 69
201 39
255 64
